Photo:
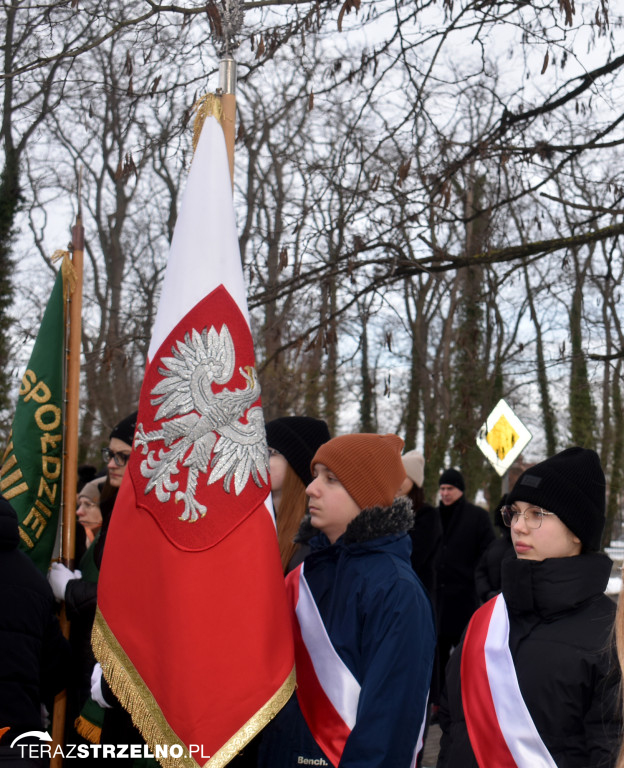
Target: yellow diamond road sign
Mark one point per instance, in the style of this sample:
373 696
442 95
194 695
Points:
503 437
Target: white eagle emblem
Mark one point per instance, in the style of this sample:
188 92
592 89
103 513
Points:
198 421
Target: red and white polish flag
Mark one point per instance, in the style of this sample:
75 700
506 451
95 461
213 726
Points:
192 628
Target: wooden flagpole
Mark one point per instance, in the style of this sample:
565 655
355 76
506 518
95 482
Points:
70 451
227 93
70 465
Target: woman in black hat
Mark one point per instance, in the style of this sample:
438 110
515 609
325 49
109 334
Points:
534 681
293 441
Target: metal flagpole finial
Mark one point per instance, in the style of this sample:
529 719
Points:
231 13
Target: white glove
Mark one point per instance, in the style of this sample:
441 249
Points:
96 687
59 576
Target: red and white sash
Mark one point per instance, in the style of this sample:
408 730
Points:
327 691
501 730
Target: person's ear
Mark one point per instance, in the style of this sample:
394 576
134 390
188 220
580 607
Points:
405 487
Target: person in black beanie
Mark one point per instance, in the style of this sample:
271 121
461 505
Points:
466 533
116 456
535 680
292 441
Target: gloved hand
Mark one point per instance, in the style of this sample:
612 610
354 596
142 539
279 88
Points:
96 687
59 576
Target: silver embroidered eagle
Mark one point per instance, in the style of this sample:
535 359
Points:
197 421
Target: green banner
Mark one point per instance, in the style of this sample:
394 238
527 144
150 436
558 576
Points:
31 476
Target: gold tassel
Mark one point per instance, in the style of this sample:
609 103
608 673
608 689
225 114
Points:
87 730
69 273
205 107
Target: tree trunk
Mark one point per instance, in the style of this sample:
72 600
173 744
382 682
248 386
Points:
581 405
548 414
613 525
367 418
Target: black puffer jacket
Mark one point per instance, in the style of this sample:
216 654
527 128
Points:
560 640
34 655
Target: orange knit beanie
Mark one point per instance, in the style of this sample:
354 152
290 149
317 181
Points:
369 466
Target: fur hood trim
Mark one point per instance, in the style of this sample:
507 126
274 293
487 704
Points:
371 523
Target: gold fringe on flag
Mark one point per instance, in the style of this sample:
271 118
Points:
208 105
136 698
69 273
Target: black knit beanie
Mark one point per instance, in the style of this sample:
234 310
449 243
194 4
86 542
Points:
452 477
572 485
125 429
297 438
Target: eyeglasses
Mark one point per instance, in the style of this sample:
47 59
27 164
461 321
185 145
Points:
120 458
532 515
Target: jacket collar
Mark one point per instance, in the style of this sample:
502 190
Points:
554 585
372 523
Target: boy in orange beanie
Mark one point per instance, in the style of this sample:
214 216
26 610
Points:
364 628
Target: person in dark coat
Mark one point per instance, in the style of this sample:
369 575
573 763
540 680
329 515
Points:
488 574
549 668
426 536
426 533
376 639
34 655
467 533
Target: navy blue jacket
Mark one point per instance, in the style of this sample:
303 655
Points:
380 622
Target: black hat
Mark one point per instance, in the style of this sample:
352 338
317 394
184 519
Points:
124 431
452 477
572 485
297 438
